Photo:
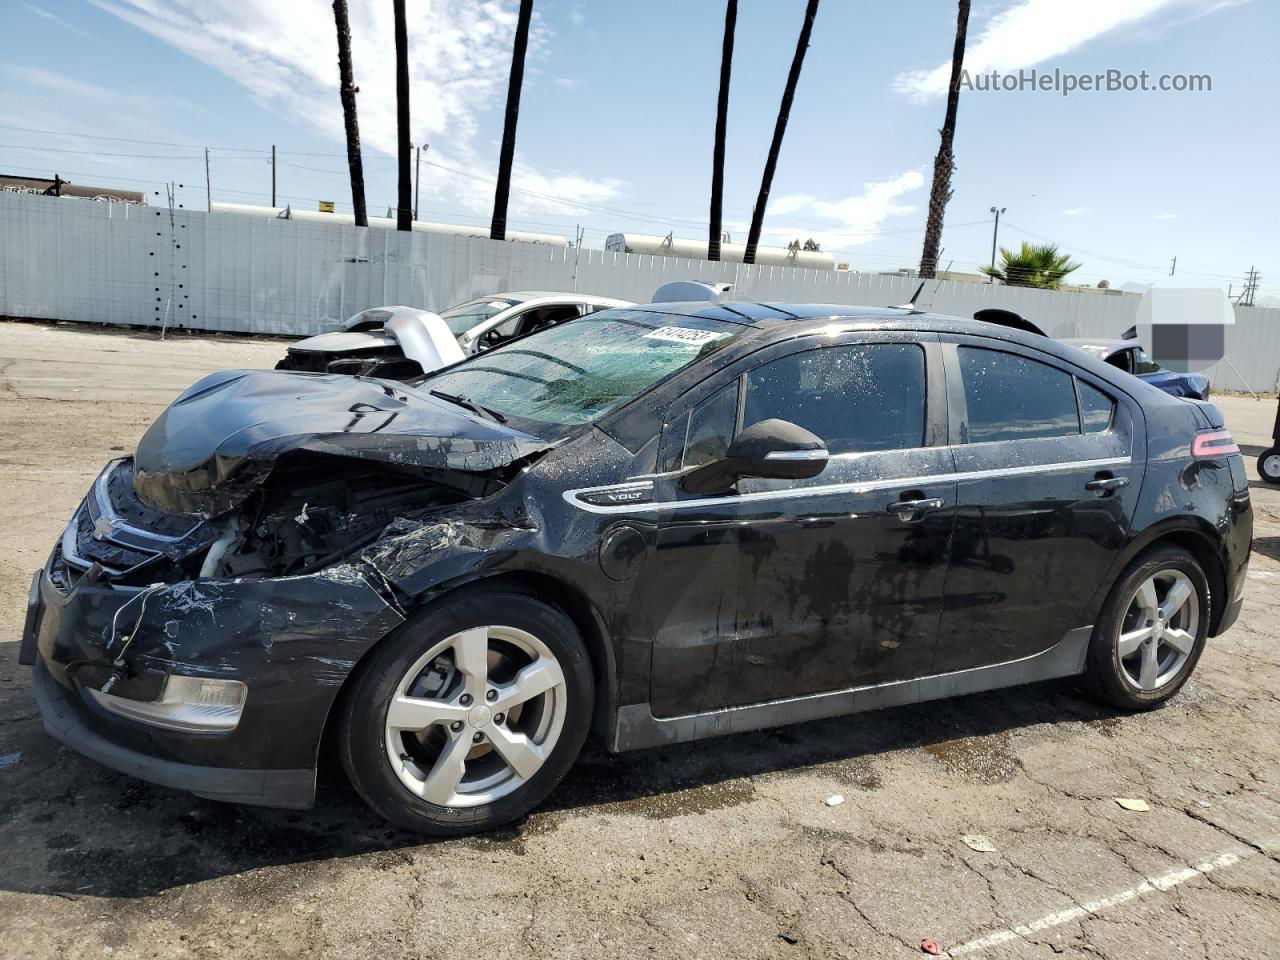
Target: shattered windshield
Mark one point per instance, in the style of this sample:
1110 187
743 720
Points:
464 316
578 371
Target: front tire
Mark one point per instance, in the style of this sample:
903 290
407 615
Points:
1269 465
469 715
1151 632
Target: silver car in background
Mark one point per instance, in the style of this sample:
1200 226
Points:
400 342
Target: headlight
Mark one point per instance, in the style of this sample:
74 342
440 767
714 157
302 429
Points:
193 704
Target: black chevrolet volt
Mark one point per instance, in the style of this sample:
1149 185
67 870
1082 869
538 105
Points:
650 525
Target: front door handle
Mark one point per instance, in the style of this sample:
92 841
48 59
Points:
914 509
1105 485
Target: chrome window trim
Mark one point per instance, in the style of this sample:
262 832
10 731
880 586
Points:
861 486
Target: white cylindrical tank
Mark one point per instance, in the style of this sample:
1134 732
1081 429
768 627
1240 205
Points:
384 223
729 252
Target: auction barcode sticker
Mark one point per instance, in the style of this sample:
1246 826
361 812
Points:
683 335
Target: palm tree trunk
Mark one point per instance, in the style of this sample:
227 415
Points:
722 113
944 163
498 229
780 128
347 91
404 199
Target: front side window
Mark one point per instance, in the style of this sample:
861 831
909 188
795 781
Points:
1011 397
1143 362
857 398
464 316
574 373
711 428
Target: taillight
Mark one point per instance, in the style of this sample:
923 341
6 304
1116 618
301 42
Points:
1215 443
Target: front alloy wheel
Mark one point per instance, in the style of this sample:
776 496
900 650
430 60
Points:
476 716
469 714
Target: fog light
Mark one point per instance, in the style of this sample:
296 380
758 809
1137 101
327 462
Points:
193 704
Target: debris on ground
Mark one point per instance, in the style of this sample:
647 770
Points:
978 843
9 759
834 800
1137 806
930 947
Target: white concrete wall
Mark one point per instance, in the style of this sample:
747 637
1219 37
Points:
112 263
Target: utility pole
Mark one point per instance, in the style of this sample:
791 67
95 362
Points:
273 174
1173 267
995 233
417 173
1250 288
208 189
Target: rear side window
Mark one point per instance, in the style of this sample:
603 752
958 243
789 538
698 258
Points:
1096 408
1011 397
857 398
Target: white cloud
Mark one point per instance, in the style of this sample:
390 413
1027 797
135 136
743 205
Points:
576 16
849 222
48 15
567 82
1073 212
1034 31
1166 216
284 52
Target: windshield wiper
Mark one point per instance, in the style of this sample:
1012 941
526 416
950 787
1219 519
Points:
469 404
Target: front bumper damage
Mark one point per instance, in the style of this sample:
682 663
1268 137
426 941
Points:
253 551
292 641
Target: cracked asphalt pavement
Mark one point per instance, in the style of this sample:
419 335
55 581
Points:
722 848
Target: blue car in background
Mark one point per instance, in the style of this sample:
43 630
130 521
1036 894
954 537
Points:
1129 356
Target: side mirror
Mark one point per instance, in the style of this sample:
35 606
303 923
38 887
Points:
772 449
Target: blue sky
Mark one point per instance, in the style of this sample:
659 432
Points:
618 114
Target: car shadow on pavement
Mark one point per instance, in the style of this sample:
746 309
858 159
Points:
1267 546
74 829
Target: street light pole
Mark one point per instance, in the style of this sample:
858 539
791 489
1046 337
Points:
995 232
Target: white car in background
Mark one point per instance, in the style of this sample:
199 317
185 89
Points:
399 343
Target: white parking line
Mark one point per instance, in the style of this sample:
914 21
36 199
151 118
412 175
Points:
1162 882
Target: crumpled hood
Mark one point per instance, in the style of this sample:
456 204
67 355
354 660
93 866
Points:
217 442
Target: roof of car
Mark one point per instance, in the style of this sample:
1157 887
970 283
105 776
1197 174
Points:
1101 343
803 318
523 295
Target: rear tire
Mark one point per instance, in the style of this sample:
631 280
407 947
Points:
469 715
1152 630
1269 465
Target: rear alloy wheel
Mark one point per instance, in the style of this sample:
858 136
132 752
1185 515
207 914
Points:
470 715
1152 630
1269 465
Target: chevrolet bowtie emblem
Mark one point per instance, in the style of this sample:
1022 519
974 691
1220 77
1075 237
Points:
103 528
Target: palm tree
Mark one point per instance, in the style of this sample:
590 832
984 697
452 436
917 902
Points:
347 91
722 111
1034 265
498 229
944 163
404 201
780 128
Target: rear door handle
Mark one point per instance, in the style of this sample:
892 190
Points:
913 509
1104 485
